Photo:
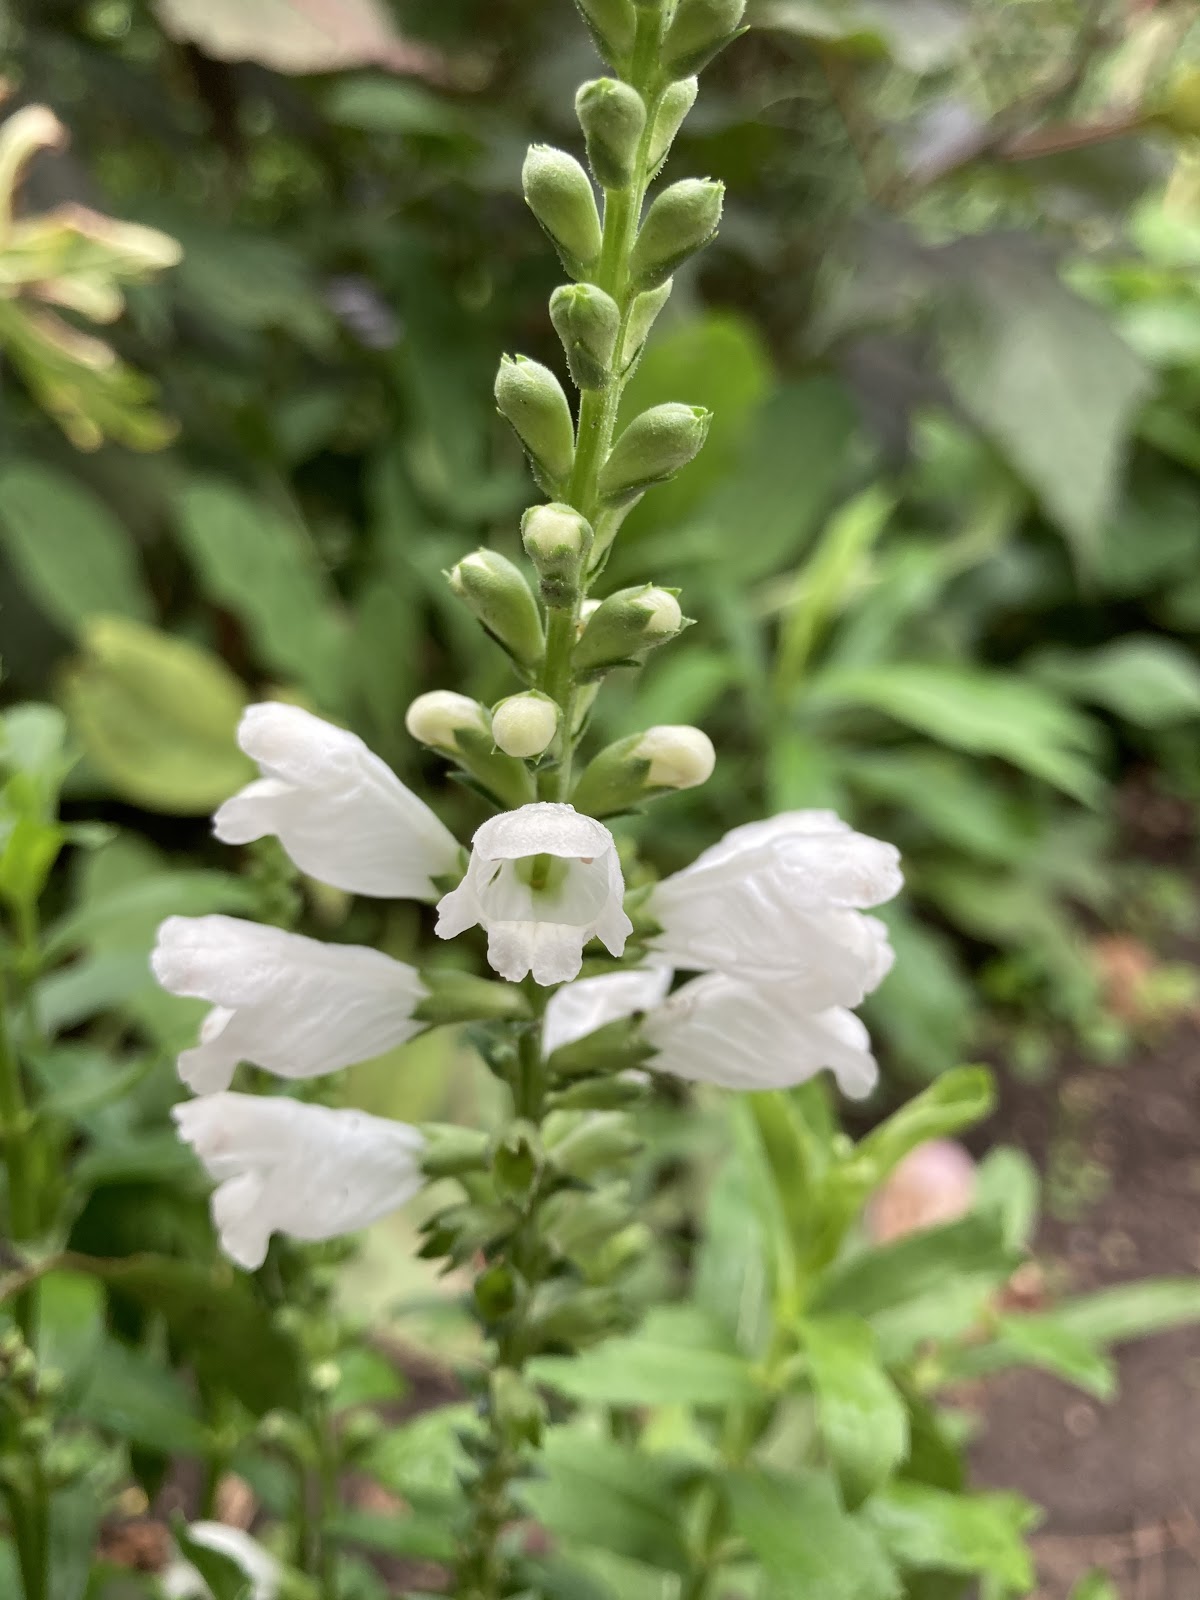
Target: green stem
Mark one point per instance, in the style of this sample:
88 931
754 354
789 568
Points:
598 408
16 1125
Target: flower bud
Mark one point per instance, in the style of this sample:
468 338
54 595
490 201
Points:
559 193
612 24
450 1150
497 593
582 1143
558 541
682 219
525 724
562 1314
658 761
612 115
653 448
616 1047
642 313
452 996
587 321
517 1407
699 29
531 398
627 624
438 718
598 1094
675 104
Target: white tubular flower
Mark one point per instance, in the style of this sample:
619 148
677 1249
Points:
543 880
181 1581
340 812
292 1005
739 1035
579 1008
779 901
303 1170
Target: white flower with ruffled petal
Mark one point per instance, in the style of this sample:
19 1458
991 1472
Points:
340 812
579 1008
781 901
181 1581
543 880
739 1035
304 1170
291 1005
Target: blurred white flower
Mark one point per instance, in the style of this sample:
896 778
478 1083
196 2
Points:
579 1008
181 1581
304 1170
543 880
340 812
740 1035
292 1005
780 901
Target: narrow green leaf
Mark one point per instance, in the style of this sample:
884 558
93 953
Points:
1131 1310
879 1279
1040 1341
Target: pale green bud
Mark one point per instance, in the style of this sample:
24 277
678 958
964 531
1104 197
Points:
525 724
532 400
517 1408
656 762
559 193
497 593
452 996
450 1150
653 448
642 314
558 541
612 24
582 1143
564 1315
440 718
675 104
682 219
699 29
587 321
627 623
612 115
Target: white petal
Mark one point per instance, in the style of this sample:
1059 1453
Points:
737 1035
298 1169
291 1005
339 811
181 1581
542 828
580 1008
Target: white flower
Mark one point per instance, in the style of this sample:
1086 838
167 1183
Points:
779 901
181 1581
304 1170
292 1005
340 813
579 1008
543 880
739 1035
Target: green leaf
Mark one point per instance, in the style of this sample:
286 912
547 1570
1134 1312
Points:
136 1397
809 1548
947 797
1132 1310
183 894
927 1009
920 35
1007 1187
418 1537
29 852
72 554
675 1358
1151 682
609 1495
1095 1585
860 1413
879 1279
1040 1341
222 1575
921 1527
958 1100
1044 375
32 741
987 713
71 1310
72 995
157 716
74 1520
262 567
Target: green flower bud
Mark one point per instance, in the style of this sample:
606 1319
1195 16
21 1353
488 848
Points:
571 1221
587 321
496 1292
627 624
438 719
699 29
682 219
517 1159
612 115
517 1407
558 541
612 24
559 193
525 724
598 1094
452 996
563 1315
675 104
653 448
658 761
459 1231
532 400
642 313
605 1051
582 1143
450 1150
497 593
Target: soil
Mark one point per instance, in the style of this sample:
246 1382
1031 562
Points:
1120 1484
